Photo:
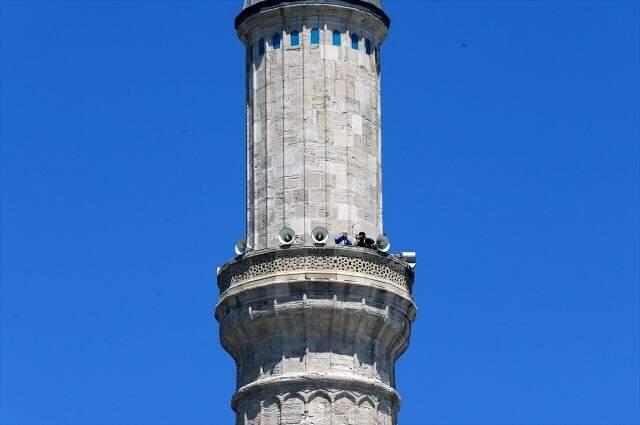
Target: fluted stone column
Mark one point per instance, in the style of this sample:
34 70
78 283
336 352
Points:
315 331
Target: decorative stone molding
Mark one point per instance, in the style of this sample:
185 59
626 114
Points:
368 9
318 407
315 333
306 384
347 260
315 318
318 337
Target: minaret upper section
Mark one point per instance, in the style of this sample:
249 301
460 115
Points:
313 116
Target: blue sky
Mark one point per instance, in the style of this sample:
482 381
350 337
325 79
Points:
511 165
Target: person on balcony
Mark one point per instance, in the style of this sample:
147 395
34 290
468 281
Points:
343 239
364 242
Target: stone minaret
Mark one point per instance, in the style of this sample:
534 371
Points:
315 329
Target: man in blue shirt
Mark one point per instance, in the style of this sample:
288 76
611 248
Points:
343 239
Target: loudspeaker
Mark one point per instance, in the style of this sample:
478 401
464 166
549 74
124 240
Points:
286 237
409 257
383 244
241 247
320 235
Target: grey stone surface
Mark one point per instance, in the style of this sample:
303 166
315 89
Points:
313 124
316 325
315 331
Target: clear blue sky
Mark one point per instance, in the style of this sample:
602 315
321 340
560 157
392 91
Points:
511 164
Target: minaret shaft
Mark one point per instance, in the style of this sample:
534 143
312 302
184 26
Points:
313 121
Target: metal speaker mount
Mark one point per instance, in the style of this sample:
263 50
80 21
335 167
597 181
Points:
320 235
286 237
241 247
383 244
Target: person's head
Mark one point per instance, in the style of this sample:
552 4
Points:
345 234
362 235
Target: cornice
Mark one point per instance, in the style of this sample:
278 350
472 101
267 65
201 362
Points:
299 381
271 4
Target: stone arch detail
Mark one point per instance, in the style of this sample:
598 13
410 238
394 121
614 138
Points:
385 413
250 412
319 393
271 411
319 408
346 394
367 399
292 411
344 408
289 395
366 412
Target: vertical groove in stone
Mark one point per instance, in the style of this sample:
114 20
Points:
375 345
331 332
391 355
305 231
250 143
305 334
366 144
284 175
356 342
326 116
351 200
246 142
380 200
266 149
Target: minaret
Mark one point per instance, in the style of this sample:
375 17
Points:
315 328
